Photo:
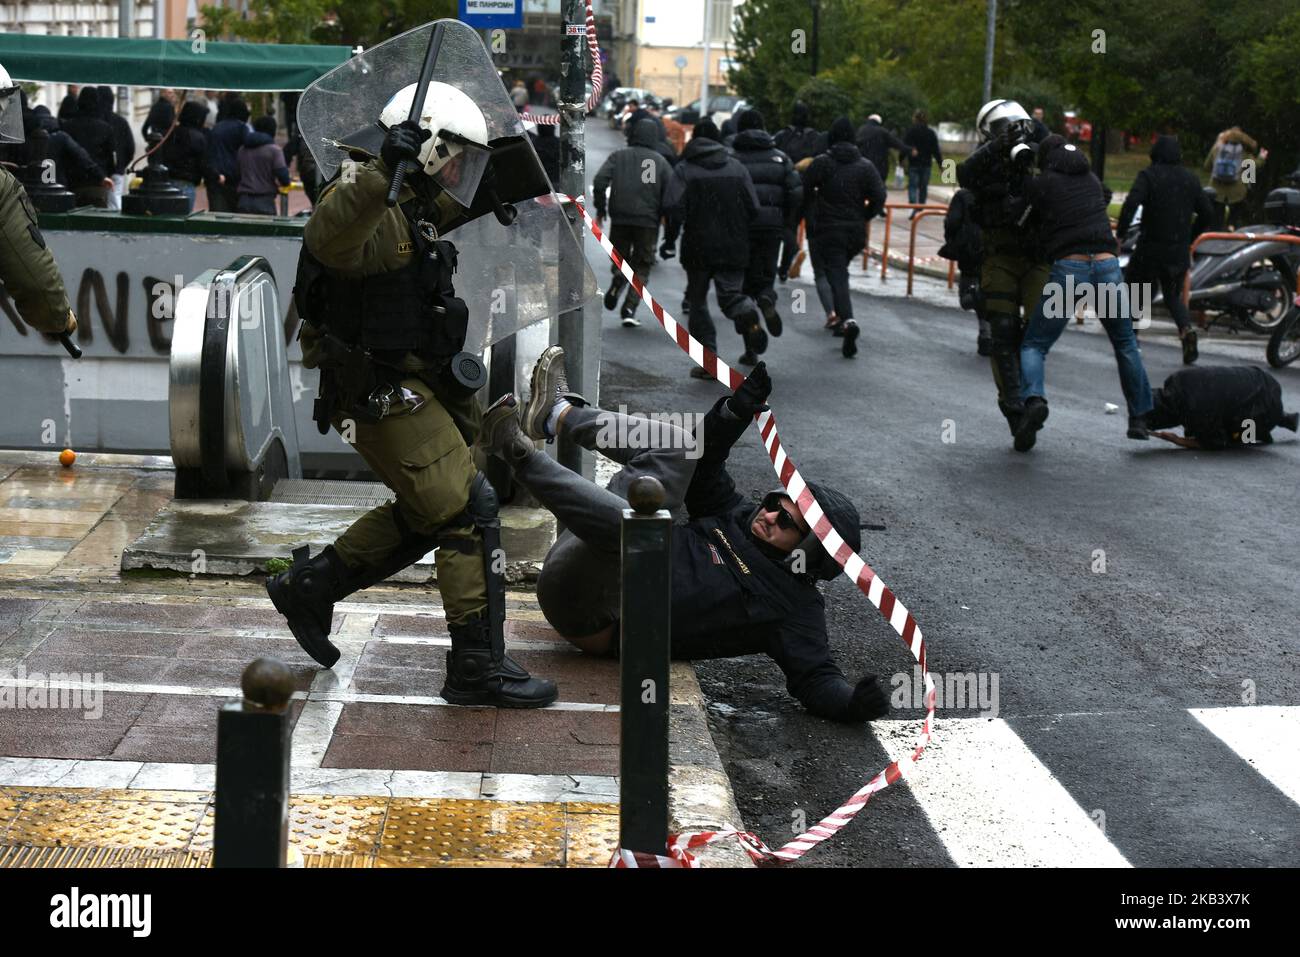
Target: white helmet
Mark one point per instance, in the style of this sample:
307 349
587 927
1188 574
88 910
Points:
11 111
457 153
996 115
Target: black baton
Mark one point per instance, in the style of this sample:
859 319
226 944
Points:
417 105
74 350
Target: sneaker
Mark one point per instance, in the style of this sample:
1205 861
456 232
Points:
837 330
1190 352
500 433
771 318
611 296
747 359
831 321
1033 419
699 373
630 322
851 332
796 264
549 384
1137 428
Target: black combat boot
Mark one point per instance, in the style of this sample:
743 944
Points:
1035 415
479 672
305 594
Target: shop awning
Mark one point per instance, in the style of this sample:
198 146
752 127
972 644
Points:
180 64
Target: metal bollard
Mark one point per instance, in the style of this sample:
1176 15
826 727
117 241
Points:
645 617
252 800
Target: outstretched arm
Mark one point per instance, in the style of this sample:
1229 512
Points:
712 489
802 650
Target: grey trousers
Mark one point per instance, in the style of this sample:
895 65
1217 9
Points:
579 588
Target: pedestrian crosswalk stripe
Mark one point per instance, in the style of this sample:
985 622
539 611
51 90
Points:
994 804
1267 737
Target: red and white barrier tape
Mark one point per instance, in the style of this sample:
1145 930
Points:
597 78
877 592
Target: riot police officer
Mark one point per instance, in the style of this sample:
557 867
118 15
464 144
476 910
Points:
383 323
27 267
1013 271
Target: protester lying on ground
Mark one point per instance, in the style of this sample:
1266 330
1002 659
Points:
743 575
1219 407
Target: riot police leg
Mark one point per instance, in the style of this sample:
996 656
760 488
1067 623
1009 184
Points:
1000 285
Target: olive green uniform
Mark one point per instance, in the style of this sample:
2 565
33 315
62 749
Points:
27 267
423 456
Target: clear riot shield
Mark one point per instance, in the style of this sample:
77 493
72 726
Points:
509 276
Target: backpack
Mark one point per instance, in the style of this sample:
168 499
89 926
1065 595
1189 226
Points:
1227 164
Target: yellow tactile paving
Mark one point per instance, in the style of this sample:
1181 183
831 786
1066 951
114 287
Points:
175 827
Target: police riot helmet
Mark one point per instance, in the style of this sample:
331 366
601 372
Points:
457 153
11 110
996 115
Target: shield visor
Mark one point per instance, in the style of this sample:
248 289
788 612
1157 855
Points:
509 276
460 176
11 116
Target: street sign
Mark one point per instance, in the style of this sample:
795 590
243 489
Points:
680 62
493 14
575 29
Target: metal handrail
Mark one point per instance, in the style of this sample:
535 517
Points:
889 213
911 248
1240 237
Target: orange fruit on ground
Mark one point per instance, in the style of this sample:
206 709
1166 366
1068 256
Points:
67 457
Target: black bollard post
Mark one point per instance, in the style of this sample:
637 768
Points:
645 619
253 742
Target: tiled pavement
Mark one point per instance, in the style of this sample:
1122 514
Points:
110 687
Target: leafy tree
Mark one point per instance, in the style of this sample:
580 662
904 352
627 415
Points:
826 101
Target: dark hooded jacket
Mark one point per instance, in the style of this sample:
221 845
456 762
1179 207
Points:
841 188
637 177
730 598
73 166
799 140
1069 202
777 184
262 167
224 142
123 138
875 142
663 146
547 145
1169 194
1212 402
962 239
91 131
161 116
711 197
185 153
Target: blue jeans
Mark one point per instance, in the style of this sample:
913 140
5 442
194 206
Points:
1103 283
188 189
918 182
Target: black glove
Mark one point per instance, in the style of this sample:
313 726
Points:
667 251
753 392
868 701
403 143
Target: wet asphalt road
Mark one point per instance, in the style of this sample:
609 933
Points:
994 552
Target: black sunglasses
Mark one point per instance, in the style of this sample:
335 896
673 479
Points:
772 503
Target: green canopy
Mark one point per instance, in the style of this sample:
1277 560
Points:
180 64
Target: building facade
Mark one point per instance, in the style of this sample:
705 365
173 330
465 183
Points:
658 45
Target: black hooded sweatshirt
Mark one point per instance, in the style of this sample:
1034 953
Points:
89 129
1069 202
847 188
730 599
799 140
123 138
779 188
1212 402
1169 195
711 198
186 150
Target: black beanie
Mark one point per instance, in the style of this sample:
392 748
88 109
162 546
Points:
842 131
750 120
706 130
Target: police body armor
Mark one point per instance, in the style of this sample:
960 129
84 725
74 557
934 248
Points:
369 325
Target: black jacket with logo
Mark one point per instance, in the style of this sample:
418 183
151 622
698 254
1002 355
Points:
730 599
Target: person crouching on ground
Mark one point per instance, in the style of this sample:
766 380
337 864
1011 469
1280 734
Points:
1075 233
1220 407
744 575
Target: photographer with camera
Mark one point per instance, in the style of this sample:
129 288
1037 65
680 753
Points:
1012 274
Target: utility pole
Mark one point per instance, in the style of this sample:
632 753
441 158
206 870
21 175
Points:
988 50
125 14
816 33
579 333
704 80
